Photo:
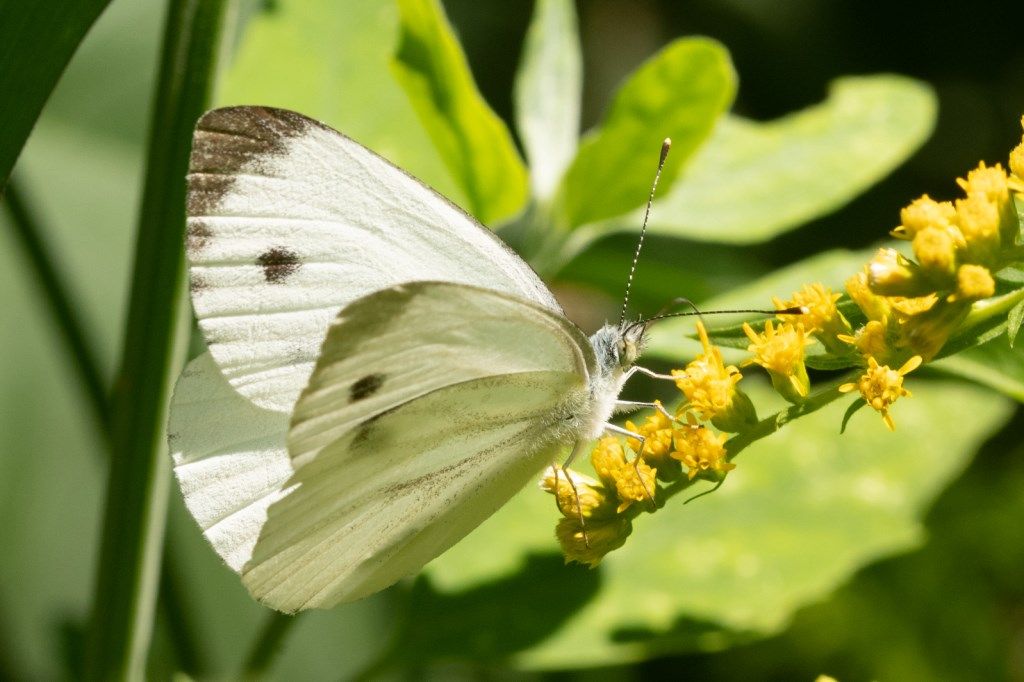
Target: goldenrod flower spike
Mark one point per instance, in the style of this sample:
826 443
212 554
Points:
710 389
781 352
881 387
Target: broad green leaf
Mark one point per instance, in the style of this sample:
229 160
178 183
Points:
753 181
792 522
474 143
37 40
679 93
669 339
331 59
548 89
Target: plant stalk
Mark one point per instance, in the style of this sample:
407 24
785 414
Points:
154 349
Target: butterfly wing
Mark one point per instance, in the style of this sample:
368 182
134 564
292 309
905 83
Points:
230 458
288 221
472 392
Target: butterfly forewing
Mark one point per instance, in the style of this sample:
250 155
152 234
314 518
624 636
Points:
464 413
288 221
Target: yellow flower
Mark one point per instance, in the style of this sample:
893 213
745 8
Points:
870 340
875 307
924 333
822 318
923 213
599 538
891 274
593 499
987 181
657 433
635 482
1017 164
936 251
782 354
608 457
632 481
700 449
710 389
881 387
973 282
979 222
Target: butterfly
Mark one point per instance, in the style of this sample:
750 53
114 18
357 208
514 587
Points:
382 372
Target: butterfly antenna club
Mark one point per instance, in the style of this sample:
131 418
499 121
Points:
665 146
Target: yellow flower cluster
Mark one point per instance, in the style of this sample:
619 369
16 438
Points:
911 307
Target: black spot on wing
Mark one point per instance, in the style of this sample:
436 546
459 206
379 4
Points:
365 387
278 264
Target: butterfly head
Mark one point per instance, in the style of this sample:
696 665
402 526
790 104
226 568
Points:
618 346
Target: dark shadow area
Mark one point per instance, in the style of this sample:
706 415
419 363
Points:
492 622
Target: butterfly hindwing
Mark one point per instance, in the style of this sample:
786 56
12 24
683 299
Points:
230 458
288 221
468 408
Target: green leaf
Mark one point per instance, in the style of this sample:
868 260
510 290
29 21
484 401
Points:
850 411
1013 322
986 321
474 142
791 523
679 93
992 364
548 89
37 40
753 181
669 339
332 60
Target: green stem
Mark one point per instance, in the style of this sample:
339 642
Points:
997 306
153 354
267 644
58 299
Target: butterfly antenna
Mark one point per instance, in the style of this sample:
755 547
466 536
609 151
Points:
665 146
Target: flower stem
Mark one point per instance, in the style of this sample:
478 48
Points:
153 354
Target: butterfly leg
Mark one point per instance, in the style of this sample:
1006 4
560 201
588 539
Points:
612 428
577 450
630 405
647 372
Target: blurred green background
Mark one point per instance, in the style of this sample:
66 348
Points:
931 587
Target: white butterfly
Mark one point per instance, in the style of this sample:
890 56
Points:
382 371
